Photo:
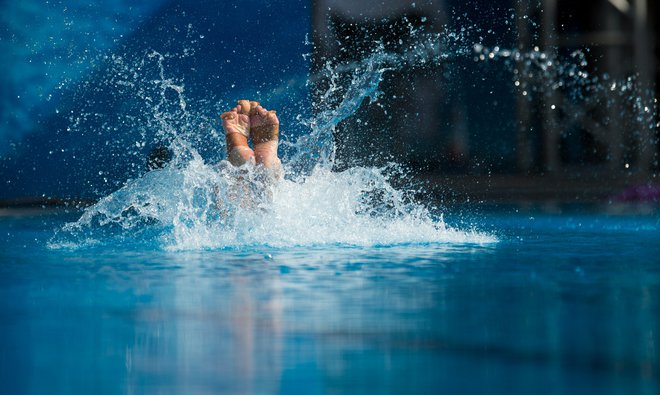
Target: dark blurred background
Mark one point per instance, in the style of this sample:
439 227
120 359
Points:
472 128
510 130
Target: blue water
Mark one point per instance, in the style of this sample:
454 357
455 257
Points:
566 301
325 282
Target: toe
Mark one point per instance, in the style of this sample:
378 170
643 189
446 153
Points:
244 107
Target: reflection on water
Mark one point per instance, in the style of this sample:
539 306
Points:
561 304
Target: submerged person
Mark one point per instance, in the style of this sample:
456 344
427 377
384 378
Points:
250 121
247 123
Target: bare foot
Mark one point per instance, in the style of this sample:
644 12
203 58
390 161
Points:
264 128
236 123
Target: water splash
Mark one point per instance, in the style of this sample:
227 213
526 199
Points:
361 80
205 206
193 203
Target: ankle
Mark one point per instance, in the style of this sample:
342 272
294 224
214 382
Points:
266 153
240 155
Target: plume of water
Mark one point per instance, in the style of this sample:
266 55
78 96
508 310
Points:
192 204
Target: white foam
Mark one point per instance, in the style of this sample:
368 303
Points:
326 208
207 207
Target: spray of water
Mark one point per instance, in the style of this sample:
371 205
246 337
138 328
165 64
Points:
193 204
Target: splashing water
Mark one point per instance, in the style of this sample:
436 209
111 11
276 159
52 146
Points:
193 204
203 206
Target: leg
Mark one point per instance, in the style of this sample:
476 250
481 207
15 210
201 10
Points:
249 119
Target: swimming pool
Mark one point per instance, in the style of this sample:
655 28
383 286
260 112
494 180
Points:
564 301
331 281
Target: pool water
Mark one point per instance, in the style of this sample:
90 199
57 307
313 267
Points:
564 302
203 278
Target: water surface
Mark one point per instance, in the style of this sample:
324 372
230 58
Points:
561 303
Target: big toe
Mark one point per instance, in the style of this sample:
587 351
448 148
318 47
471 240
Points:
243 107
247 107
228 115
